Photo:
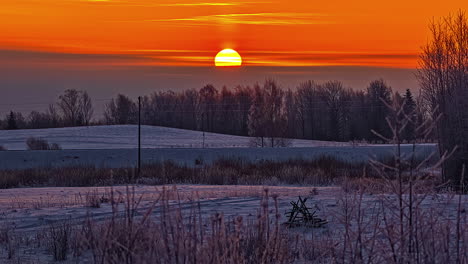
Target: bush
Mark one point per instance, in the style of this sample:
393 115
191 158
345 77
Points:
41 144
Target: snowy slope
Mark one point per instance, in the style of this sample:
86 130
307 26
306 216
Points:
125 137
115 147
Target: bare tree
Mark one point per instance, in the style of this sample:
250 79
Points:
121 110
38 120
86 108
334 95
306 98
69 104
378 94
256 116
208 98
243 97
273 112
54 116
443 76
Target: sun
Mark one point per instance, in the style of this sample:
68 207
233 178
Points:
228 58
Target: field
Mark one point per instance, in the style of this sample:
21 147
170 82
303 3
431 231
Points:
126 137
115 147
85 225
223 203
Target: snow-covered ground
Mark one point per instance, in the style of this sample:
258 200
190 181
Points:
126 137
115 146
125 158
28 211
32 208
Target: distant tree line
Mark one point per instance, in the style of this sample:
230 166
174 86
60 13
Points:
326 111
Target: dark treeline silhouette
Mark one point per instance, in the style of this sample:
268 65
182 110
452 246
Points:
327 111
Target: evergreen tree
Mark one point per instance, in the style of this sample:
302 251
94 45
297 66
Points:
11 121
409 109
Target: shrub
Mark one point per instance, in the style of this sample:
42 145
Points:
41 144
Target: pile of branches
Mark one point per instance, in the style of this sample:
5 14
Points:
300 215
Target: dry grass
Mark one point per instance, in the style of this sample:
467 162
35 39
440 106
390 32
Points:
166 232
175 236
322 171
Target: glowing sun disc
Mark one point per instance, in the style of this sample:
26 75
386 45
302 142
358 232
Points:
228 57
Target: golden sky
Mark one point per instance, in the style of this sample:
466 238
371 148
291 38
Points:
107 33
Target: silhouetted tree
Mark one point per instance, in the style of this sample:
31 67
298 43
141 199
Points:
53 115
410 111
443 77
69 103
11 121
273 112
39 120
378 93
307 103
121 110
256 120
207 96
86 108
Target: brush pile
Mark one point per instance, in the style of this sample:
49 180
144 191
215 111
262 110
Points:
301 216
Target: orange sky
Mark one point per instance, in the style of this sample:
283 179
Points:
191 32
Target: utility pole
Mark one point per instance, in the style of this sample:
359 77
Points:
139 136
203 128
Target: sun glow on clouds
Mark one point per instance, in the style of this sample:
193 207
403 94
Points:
172 4
272 19
205 58
188 32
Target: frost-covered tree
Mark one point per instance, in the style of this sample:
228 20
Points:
443 77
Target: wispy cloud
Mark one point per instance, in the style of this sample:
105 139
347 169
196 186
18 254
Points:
253 19
205 58
213 4
171 4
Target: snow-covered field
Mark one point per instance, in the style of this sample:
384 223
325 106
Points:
29 210
126 137
114 147
32 208
124 158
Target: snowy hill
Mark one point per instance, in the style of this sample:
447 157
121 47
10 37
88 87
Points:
125 137
115 146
